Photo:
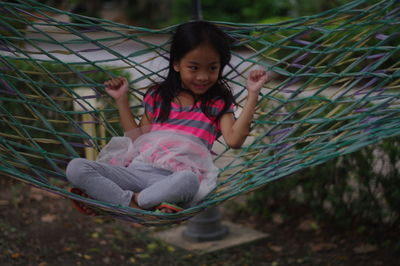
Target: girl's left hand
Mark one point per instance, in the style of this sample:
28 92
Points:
256 80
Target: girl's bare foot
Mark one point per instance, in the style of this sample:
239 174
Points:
165 210
134 199
80 206
163 207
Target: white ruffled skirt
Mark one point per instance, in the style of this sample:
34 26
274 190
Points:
168 150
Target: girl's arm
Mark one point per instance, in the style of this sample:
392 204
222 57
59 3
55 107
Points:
234 131
117 88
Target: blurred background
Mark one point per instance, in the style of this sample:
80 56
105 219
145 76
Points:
163 13
344 212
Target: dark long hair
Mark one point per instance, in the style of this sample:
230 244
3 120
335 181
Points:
187 37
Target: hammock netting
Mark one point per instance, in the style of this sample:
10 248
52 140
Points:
334 89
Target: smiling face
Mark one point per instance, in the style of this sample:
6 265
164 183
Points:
199 69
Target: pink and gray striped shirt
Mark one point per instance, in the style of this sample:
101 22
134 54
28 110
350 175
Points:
189 120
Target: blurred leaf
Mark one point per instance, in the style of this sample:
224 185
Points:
138 250
16 255
171 249
187 256
323 246
276 249
143 256
308 225
277 218
365 248
152 246
87 257
48 218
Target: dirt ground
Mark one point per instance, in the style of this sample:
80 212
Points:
39 228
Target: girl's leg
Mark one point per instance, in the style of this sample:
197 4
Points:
113 184
179 187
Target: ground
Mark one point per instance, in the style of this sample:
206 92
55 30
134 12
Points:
39 228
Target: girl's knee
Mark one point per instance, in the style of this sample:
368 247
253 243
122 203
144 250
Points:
188 183
188 179
181 187
75 169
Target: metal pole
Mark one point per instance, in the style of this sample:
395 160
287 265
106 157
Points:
196 10
206 226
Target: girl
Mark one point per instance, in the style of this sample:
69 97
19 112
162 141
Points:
170 155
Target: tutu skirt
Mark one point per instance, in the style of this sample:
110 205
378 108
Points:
168 150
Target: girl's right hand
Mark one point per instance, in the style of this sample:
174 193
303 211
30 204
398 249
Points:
117 87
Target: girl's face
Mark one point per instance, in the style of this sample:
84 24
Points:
199 69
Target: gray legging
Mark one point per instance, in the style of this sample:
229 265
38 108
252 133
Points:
116 184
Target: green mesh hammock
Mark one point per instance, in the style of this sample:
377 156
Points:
335 89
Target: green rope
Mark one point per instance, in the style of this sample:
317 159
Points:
335 89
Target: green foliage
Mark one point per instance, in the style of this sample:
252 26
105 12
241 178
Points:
46 90
163 13
275 19
11 27
361 187
52 80
253 11
149 13
238 11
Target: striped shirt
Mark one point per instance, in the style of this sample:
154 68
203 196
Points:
189 120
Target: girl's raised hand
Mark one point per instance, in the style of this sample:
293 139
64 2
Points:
256 80
117 87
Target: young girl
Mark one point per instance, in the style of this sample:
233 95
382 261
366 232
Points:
170 158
